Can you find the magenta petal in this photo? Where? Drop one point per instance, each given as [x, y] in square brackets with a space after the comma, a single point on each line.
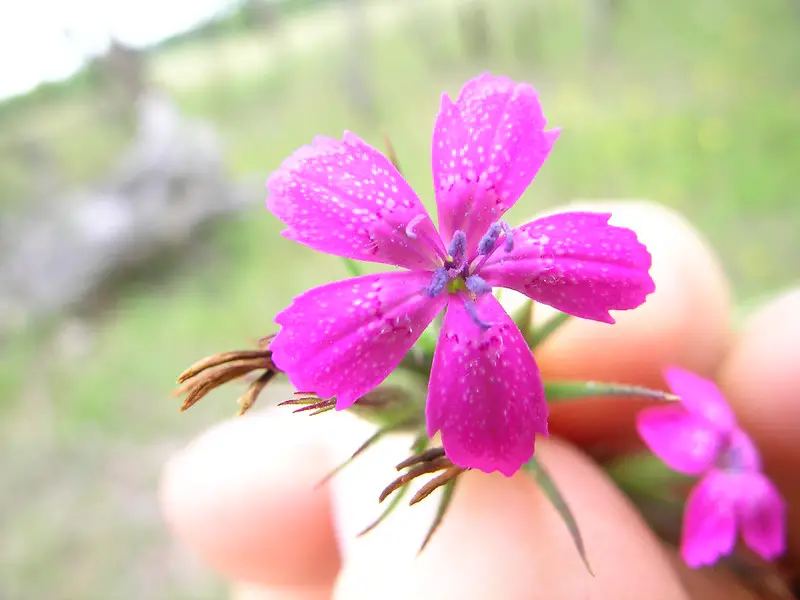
[345, 338]
[763, 515]
[684, 442]
[575, 262]
[741, 453]
[346, 198]
[487, 148]
[709, 520]
[485, 392]
[701, 397]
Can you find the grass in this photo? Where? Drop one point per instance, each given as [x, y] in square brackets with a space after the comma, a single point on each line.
[694, 106]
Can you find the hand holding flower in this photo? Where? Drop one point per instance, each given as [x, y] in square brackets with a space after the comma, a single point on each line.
[239, 495]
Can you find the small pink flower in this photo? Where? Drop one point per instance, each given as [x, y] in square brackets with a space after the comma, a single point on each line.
[343, 339]
[700, 437]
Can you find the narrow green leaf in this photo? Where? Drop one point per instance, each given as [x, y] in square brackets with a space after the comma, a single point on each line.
[646, 475]
[390, 151]
[393, 504]
[352, 267]
[426, 344]
[374, 438]
[419, 445]
[540, 334]
[548, 486]
[559, 391]
[523, 319]
[417, 360]
[444, 503]
[420, 442]
[370, 441]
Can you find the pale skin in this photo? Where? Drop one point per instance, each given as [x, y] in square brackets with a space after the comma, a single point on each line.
[242, 495]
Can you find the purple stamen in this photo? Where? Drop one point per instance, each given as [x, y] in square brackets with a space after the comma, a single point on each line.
[439, 280]
[458, 247]
[473, 314]
[477, 285]
[731, 460]
[509, 243]
[488, 243]
[738, 454]
[489, 239]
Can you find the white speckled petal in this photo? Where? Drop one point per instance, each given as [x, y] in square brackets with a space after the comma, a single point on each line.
[575, 262]
[345, 338]
[485, 393]
[346, 198]
[487, 148]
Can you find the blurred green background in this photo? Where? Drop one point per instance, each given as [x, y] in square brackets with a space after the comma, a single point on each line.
[693, 104]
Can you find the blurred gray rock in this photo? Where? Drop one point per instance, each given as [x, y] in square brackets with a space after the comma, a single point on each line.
[170, 182]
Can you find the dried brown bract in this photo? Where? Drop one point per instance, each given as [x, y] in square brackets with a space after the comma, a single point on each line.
[214, 371]
[310, 403]
[432, 460]
[429, 461]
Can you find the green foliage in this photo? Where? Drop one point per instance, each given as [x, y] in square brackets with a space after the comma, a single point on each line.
[646, 475]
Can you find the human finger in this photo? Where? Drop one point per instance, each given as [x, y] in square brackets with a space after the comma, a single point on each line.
[684, 322]
[501, 538]
[243, 496]
[761, 379]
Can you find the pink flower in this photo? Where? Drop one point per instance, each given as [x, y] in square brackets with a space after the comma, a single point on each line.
[700, 436]
[343, 339]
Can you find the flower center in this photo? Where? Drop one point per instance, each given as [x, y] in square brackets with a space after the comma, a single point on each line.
[738, 454]
[730, 459]
[459, 274]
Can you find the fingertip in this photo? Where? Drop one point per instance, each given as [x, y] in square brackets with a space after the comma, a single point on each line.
[243, 497]
[684, 322]
[502, 538]
[243, 591]
[715, 583]
[760, 378]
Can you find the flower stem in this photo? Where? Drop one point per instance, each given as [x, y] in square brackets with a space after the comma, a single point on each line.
[352, 267]
[540, 334]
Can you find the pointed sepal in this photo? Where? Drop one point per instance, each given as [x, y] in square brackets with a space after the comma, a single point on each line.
[564, 391]
[398, 404]
[538, 335]
[391, 153]
[441, 509]
[523, 318]
[353, 268]
[419, 445]
[370, 441]
[550, 489]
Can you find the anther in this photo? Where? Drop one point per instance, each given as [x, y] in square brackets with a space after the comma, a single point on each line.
[458, 247]
[509, 243]
[473, 314]
[489, 239]
[477, 285]
[438, 281]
